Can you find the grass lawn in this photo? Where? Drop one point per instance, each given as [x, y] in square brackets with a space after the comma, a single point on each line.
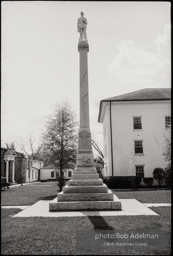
[57, 236]
[30, 194]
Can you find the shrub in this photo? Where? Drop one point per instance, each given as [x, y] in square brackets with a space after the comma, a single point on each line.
[159, 175]
[115, 182]
[99, 171]
[148, 181]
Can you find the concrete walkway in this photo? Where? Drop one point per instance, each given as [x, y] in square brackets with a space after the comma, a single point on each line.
[22, 207]
[27, 183]
[157, 205]
[130, 207]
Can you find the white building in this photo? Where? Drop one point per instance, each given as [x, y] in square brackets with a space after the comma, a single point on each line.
[50, 172]
[134, 128]
[33, 168]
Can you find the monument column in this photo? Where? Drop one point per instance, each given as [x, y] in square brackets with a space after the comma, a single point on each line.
[85, 191]
[84, 155]
[83, 49]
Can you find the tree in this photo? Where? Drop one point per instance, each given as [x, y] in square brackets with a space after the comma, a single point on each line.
[28, 147]
[167, 149]
[159, 175]
[10, 145]
[167, 156]
[59, 139]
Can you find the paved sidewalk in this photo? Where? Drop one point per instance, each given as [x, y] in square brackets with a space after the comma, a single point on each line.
[27, 183]
[130, 207]
[157, 205]
[22, 207]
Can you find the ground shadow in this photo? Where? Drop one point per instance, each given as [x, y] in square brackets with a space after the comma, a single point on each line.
[48, 197]
[99, 223]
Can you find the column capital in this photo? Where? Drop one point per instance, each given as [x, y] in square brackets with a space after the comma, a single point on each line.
[83, 46]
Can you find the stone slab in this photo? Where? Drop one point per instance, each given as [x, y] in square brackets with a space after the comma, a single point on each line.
[84, 172]
[85, 189]
[85, 197]
[130, 207]
[84, 169]
[85, 176]
[86, 182]
[115, 204]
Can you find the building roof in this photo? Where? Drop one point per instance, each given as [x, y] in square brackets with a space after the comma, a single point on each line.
[50, 166]
[10, 152]
[147, 94]
[144, 94]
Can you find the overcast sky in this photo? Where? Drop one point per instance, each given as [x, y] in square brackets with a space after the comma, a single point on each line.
[129, 49]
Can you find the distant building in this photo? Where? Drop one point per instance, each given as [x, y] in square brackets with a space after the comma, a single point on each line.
[134, 129]
[17, 168]
[33, 168]
[50, 172]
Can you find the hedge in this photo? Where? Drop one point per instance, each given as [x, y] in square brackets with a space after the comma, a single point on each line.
[114, 182]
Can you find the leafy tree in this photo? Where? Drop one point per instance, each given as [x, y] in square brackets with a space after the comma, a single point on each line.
[167, 156]
[159, 175]
[59, 139]
[167, 149]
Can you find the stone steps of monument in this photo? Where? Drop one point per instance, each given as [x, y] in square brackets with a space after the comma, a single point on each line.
[86, 182]
[85, 189]
[85, 176]
[84, 169]
[55, 206]
[85, 196]
[84, 172]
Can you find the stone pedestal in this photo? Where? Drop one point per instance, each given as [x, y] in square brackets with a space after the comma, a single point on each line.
[85, 191]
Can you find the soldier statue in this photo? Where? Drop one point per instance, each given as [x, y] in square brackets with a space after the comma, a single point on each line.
[82, 25]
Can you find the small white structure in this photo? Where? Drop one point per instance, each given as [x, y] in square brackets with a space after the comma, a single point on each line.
[68, 173]
[50, 172]
[33, 168]
[135, 126]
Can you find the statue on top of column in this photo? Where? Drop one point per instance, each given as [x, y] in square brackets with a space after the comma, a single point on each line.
[81, 26]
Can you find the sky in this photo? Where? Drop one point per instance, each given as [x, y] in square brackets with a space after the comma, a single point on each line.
[129, 49]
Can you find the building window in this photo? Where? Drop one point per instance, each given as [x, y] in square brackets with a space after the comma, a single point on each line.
[52, 174]
[138, 147]
[167, 122]
[69, 174]
[137, 124]
[140, 171]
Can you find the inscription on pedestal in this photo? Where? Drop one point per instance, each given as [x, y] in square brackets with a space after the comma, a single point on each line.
[84, 140]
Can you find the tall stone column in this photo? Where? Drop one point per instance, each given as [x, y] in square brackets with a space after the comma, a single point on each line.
[85, 191]
[84, 154]
[7, 170]
[13, 171]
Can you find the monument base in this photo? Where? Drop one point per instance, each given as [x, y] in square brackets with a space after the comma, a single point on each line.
[84, 192]
[55, 206]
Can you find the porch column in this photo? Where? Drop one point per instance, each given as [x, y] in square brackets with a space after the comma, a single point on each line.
[13, 171]
[30, 174]
[7, 170]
